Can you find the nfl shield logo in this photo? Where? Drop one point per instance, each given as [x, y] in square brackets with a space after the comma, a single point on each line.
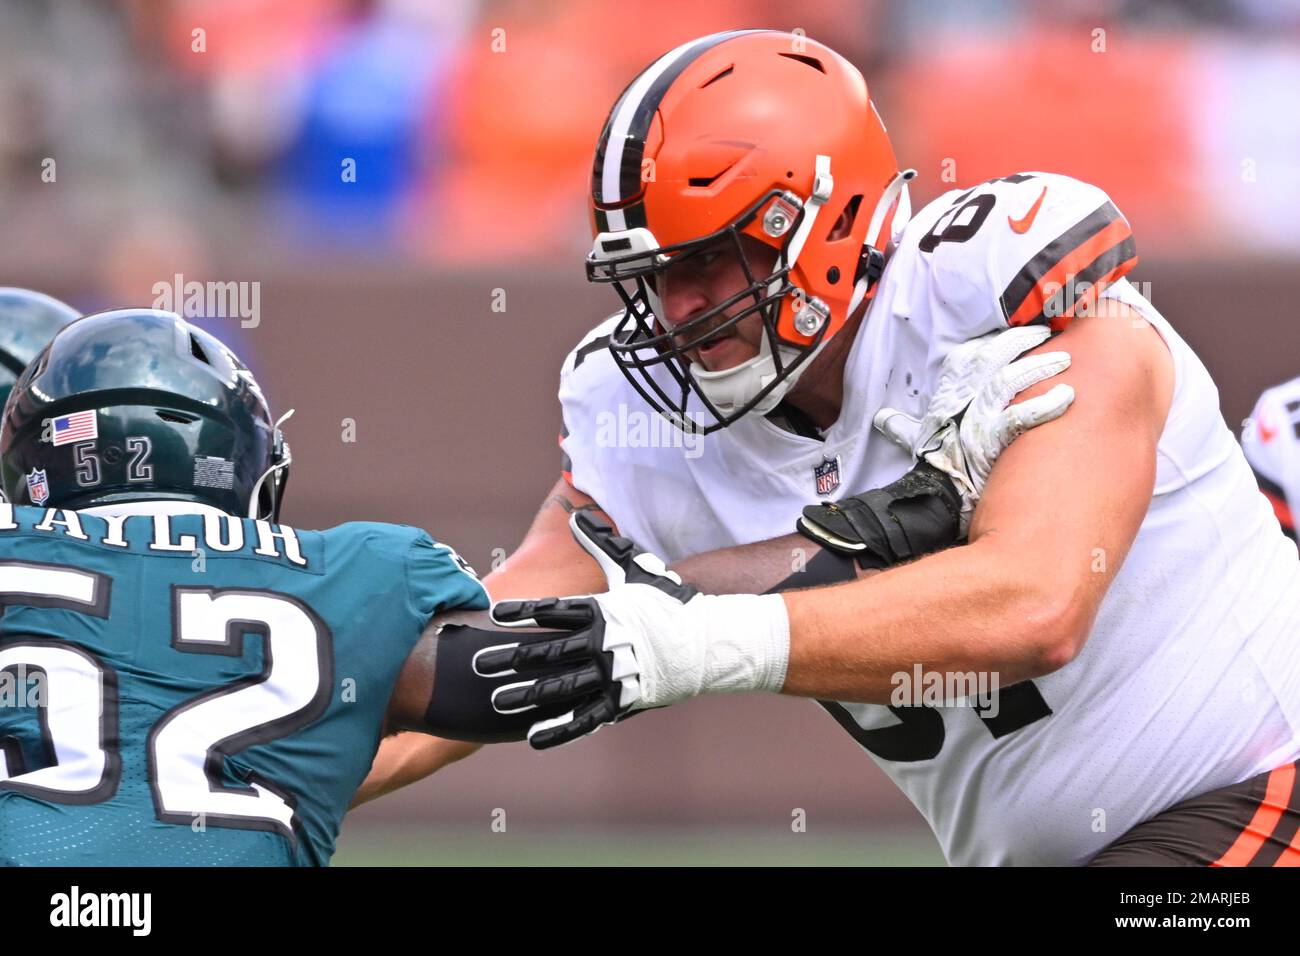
[827, 475]
[38, 489]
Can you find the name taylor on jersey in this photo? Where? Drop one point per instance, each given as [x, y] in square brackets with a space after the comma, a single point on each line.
[221, 532]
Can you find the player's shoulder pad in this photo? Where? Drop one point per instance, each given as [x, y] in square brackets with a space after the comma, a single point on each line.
[440, 579]
[590, 384]
[380, 537]
[1029, 247]
[436, 577]
[593, 351]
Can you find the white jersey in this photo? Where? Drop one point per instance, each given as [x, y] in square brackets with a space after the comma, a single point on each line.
[1190, 679]
[1271, 440]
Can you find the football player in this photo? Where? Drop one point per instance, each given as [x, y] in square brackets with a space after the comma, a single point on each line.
[1271, 440]
[1123, 579]
[185, 680]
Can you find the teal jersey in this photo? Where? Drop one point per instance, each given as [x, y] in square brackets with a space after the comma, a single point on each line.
[199, 689]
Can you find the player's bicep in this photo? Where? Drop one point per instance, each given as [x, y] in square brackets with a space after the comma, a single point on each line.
[548, 561]
[1065, 501]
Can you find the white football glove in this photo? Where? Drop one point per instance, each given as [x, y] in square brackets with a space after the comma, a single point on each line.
[978, 380]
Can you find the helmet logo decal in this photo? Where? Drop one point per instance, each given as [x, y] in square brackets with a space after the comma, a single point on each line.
[38, 487]
[79, 426]
[827, 475]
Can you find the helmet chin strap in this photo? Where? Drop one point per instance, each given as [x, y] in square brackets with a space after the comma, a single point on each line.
[286, 459]
[897, 189]
[730, 388]
[823, 185]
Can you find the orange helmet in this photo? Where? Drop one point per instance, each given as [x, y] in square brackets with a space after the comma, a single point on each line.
[758, 133]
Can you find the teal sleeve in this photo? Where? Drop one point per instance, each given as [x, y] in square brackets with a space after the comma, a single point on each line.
[438, 579]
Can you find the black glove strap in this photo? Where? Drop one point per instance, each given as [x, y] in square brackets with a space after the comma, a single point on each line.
[915, 515]
[460, 707]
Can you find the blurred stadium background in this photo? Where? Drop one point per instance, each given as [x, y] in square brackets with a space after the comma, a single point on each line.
[210, 139]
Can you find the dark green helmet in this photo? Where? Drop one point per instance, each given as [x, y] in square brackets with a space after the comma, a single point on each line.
[28, 320]
[139, 405]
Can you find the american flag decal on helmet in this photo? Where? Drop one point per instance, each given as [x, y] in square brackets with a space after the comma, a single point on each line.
[79, 426]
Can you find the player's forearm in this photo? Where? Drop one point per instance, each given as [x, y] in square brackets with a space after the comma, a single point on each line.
[535, 570]
[778, 564]
[910, 517]
[547, 562]
[970, 609]
[406, 758]
[980, 613]
[1020, 600]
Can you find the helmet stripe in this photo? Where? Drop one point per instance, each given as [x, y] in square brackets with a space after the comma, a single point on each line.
[617, 174]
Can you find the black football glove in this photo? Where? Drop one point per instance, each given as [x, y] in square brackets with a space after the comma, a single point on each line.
[594, 669]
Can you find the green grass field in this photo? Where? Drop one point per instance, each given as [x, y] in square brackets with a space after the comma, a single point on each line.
[626, 846]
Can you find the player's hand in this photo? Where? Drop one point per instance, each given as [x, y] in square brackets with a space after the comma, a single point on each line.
[610, 663]
[968, 423]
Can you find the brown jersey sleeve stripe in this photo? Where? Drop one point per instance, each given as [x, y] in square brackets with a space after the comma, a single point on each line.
[1053, 252]
[1283, 847]
[1281, 782]
[1095, 264]
[1098, 250]
[1066, 294]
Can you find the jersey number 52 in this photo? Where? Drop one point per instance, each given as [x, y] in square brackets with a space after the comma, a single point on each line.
[187, 746]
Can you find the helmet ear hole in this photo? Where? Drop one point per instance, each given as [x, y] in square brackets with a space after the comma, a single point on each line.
[843, 226]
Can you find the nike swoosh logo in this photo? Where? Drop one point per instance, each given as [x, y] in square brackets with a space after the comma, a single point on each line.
[1022, 225]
